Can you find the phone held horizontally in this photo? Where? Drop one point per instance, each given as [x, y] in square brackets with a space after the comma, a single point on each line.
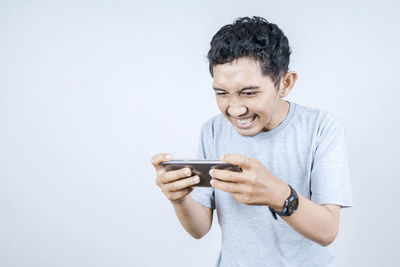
[200, 168]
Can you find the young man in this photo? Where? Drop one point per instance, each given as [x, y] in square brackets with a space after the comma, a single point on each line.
[283, 208]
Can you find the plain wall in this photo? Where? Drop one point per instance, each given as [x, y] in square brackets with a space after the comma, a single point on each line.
[91, 90]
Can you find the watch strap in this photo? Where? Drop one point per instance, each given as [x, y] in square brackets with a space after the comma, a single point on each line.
[286, 212]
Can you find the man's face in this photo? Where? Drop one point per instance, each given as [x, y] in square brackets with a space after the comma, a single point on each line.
[246, 97]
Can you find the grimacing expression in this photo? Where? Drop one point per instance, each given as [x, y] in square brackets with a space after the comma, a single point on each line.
[246, 97]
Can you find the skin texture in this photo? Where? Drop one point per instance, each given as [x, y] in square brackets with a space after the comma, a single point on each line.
[242, 91]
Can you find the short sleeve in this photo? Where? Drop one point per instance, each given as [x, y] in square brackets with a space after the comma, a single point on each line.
[330, 175]
[205, 195]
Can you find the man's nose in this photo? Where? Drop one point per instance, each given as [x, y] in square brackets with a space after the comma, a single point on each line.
[236, 110]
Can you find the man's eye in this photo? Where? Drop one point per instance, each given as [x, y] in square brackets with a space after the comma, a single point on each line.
[250, 93]
[221, 93]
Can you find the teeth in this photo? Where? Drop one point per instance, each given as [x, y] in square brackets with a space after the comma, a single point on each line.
[245, 121]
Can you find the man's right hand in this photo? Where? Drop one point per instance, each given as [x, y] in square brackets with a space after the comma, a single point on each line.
[176, 185]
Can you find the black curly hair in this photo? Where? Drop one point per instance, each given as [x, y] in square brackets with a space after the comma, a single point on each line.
[255, 38]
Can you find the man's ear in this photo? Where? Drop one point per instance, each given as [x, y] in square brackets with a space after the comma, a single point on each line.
[287, 82]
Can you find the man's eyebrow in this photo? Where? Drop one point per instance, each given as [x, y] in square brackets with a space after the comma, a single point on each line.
[241, 90]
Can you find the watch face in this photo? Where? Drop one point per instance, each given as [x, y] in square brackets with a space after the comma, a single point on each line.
[293, 205]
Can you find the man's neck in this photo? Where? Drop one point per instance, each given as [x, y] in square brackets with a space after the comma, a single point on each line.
[280, 114]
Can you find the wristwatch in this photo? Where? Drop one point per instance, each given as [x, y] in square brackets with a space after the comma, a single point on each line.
[290, 207]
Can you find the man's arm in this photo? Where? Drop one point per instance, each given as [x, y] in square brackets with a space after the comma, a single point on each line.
[319, 223]
[195, 218]
[255, 185]
[176, 186]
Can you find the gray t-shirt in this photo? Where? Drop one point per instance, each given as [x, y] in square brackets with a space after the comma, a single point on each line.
[308, 151]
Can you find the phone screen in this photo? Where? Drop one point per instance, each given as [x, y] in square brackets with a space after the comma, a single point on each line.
[200, 168]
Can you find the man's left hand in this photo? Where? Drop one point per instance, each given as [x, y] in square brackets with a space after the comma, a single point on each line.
[255, 185]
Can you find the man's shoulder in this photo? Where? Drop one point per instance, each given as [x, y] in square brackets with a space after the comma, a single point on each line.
[319, 117]
[322, 124]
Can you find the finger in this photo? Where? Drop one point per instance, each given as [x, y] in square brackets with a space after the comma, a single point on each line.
[182, 184]
[171, 176]
[158, 159]
[237, 159]
[228, 176]
[226, 186]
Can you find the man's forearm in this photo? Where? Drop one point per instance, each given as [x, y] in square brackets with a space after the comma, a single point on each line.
[195, 218]
[319, 223]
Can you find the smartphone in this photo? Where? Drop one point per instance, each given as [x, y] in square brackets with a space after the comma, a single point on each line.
[200, 168]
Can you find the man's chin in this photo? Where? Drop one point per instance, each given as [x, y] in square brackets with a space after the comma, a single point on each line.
[247, 132]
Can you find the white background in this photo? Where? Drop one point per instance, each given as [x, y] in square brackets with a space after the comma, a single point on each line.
[91, 90]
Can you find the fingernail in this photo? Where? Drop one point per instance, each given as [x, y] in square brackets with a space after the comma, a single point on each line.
[211, 172]
[212, 182]
[196, 179]
[168, 157]
[187, 172]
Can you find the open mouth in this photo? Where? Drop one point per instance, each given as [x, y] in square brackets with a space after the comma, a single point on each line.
[244, 123]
